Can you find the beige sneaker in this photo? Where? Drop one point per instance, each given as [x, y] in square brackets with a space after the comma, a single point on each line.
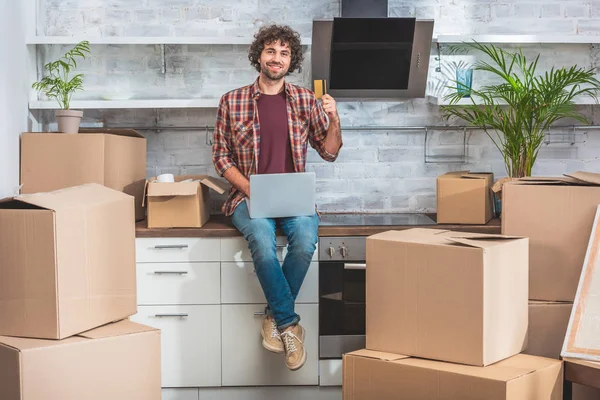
[293, 344]
[271, 336]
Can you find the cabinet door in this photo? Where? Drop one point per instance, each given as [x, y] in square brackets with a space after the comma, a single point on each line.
[240, 285]
[170, 249]
[247, 363]
[178, 283]
[190, 343]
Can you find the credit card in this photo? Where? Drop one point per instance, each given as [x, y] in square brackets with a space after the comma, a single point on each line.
[320, 88]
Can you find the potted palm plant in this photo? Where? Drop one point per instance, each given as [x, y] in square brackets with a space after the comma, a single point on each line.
[60, 85]
[517, 111]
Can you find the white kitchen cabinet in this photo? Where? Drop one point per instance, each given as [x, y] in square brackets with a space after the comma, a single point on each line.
[240, 285]
[179, 283]
[169, 249]
[190, 343]
[236, 249]
[180, 394]
[246, 363]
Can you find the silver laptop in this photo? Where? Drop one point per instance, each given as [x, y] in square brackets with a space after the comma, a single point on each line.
[282, 195]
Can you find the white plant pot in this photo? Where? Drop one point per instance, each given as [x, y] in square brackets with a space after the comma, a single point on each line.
[68, 120]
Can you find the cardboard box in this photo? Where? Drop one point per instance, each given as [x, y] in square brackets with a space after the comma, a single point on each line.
[370, 375]
[547, 328]
[446, 295]
[464, 198]
[184, 203]
[68, 261]
[557, 215]
[113, 158]
[119, 361]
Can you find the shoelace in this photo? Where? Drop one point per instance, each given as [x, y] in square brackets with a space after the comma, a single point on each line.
[288, 340]
[274, 331]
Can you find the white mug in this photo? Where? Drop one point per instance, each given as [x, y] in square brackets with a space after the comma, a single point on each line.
[165, 178]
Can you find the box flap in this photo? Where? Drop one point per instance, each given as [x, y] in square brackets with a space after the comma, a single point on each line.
[586, 177]
[378, 355]
[453, 175]
[156, 189]
[215, 184]
[124, 327]
[477, 175]
[75, 196]
[109, 131]
[482, 241]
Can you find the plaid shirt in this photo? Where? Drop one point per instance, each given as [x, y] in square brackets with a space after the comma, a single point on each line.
[236, 139]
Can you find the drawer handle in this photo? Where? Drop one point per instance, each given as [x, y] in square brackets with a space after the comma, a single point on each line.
[354, 266]
[170, 272]
[170, 246]
[180, 315]
[261, 313]
[281, 246]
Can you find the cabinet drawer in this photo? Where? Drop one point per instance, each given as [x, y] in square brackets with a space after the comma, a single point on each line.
[190, 343]
[236, 249]
[177, 249]
[247, 363]
[179, 283]
[240, 285]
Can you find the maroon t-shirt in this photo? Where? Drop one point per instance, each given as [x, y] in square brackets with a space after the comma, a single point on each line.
[275, 154]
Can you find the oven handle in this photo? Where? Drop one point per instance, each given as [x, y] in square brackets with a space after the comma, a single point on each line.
[355, 266]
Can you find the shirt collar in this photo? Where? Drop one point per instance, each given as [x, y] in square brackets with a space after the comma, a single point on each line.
[290, 90]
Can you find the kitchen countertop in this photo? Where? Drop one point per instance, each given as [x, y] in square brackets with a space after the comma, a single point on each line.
[221, 226]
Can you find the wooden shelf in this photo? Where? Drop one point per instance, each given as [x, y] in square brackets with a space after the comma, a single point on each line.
[518, 39]
[145, 40]
[122, 104]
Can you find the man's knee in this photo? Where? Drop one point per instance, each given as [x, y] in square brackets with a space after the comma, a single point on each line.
[261, 240]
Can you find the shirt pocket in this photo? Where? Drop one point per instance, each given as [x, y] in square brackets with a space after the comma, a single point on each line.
[243, 133]
[300, 126]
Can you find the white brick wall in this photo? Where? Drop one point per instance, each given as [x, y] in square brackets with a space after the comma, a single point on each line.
[377, 170]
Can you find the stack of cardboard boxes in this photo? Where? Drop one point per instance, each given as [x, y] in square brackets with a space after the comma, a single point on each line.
[68, 277]
[458, 316]
[447, 317]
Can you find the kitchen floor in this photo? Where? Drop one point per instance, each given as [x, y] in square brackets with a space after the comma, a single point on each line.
[256, 393]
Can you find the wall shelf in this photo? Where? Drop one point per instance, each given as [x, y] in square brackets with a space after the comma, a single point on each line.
[518, 39]
[35, 40]
[440, 101]
[123, 104]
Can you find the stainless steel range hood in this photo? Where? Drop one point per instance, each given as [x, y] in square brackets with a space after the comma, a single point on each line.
[365, 54]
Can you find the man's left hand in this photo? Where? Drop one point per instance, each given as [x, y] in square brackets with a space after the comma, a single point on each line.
[330, 107]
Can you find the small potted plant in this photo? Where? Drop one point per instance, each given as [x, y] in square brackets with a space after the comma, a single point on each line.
[521, 106]
[59, 85]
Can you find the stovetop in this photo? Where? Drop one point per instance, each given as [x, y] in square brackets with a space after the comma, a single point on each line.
[375, 219]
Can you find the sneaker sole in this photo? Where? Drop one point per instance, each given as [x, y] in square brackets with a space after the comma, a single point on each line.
[269, 347]
[300, 364]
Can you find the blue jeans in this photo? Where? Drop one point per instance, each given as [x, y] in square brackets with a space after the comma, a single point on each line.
[280, 283]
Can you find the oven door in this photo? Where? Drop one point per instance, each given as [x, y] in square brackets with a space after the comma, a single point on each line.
[341, 307]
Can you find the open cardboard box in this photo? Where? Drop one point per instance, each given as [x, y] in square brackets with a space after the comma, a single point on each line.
[184, 203]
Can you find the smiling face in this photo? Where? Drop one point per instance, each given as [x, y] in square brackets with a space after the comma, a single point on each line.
[275, 60]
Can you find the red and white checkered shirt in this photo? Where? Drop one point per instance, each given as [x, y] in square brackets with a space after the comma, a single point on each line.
[236, 138]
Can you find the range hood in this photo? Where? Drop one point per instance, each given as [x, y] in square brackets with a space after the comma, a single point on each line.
[365, 54]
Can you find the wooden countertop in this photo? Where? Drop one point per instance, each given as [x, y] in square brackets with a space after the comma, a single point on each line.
[221, 226]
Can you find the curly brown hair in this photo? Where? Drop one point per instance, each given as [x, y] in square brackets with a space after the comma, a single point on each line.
[270, 34]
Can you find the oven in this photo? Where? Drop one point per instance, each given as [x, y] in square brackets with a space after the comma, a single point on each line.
[342, 268]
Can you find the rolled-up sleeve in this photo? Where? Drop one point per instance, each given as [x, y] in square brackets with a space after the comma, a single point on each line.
[319, 123]
[221, 150]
